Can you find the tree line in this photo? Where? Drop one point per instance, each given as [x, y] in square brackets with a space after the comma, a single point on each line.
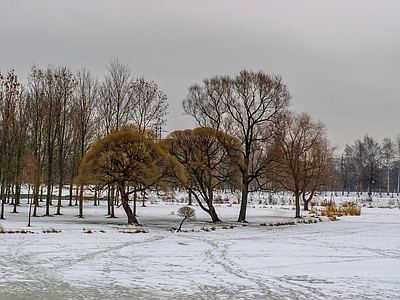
[367, 166]
[70, 129]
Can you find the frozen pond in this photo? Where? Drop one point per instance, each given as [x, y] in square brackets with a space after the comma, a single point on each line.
[353, 258]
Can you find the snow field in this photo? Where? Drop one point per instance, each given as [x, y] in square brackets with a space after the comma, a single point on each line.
[353, 258]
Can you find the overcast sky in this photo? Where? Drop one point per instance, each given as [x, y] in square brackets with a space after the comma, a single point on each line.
[340, 59]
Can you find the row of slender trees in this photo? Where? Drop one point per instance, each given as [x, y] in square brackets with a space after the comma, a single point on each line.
[48, 125]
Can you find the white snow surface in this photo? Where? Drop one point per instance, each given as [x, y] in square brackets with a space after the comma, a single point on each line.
[356, 257]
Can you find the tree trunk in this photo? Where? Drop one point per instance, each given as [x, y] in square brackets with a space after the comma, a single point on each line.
[297, 203]
[108, 200]
[2, 209]
[59, 203]
[245, 191]
[213, 214]
[388, 181]
[48, 199]
[243, 204]
[71, 191]
[81, 202]
[17, 196]
[95, 197]
[144, 199]
[134, 202]
[125, 204]
[36, 190]
[190, 198]
[305, 203]
[29, 194]
[2, 200]
[180, 225]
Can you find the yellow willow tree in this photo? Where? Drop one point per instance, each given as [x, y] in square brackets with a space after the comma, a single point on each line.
[211, 160]
[131, 162]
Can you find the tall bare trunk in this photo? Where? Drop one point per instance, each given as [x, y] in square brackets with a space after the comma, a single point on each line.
[81, 202]
[245, 191]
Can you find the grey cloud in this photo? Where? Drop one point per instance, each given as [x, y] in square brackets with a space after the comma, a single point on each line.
[340, 59]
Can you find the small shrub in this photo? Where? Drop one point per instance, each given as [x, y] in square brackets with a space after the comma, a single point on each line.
[187, 213]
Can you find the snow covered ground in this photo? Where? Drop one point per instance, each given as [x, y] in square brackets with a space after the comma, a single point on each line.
[353, 258]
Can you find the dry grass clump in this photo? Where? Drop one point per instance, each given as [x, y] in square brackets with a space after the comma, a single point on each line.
[212, 228]
[298, 221]
[51, 230]
[326, 203]
[22, 231]
[306, 221]
[347, 209]
[137, 230]
[283, 223]
[230, 226]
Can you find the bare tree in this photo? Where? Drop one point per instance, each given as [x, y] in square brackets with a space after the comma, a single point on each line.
[115, 97]
[20, 136]
[371, 162]
[10, 153]
[85, 106]
[36, 108]
[206, 103]
[148, 106]
[318, 168]
[347, 169]
[388, 155]
[305, 154]
[241, 106]
[65, 116]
